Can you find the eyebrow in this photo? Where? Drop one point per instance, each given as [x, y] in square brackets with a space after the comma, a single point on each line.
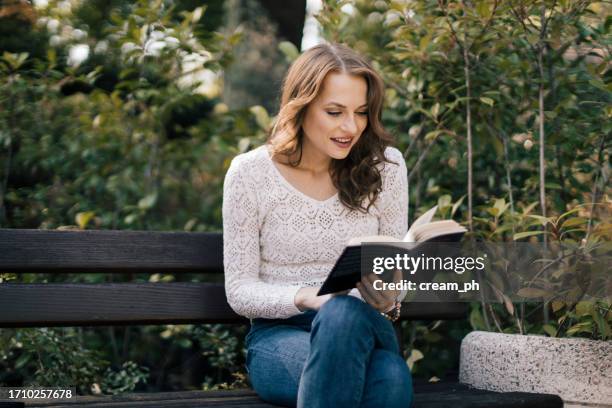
[342, 106]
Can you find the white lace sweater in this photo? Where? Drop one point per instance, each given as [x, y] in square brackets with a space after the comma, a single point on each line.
[276, 239]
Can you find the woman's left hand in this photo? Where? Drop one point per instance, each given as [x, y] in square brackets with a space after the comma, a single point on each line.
[381, 300]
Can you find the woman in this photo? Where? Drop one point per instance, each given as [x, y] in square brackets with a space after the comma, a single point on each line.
[289, 207]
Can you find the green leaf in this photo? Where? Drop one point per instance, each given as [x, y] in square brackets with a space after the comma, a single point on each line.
[501, 206]
[526, 234]
[243, 144]
[444, 201]
[508, 304]
[14, 61]
[147, 202]
[83, 218]
[557, 305]
[599, 84]
[261, 116]
[565, 214]
[487, 101]
[130, 218]
[435, 110]
[289, 50]
[583, 327]
[484, 8]
[532, 293]
[543, 220]
[584, 308]
[415, 355]
[476, 320]
[553, 186]
[574, 221]
[493, 211]
[456, 205]
[550, 330]
[431, 136]
[23, 360]
[529, 208]
[197, 14]
[602, 325]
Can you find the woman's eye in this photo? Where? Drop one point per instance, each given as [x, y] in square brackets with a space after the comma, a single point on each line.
[339, 113]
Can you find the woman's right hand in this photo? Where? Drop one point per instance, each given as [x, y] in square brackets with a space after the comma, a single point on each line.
[307, 299]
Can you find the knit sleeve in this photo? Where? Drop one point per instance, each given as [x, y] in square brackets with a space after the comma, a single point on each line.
[246, 293]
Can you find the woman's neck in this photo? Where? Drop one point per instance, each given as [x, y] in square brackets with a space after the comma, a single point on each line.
[312, 160]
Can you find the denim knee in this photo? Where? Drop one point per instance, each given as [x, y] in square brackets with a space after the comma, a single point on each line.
[389, 381]
[343, 309]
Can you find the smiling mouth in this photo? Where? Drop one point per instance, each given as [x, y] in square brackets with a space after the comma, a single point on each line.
[342, 141]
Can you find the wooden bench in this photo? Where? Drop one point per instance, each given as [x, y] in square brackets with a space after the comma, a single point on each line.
[75, 304]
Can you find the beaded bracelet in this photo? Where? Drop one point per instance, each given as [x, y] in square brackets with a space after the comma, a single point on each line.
[395, 312]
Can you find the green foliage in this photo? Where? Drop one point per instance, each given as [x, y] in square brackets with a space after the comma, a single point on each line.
[125, 379]
[61, 357]
[580, 266]
[417, 46]
[223, 351]
[130, 138]
[433, 347]
[426, 50]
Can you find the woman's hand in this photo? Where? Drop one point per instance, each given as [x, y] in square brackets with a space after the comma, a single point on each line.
[307, 299]
[381, 300]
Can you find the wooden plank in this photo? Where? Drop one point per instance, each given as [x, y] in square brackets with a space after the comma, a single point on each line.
[35, 305]
[434, 311]
[429, 396]
[79, 304]
[459, 395]
[23, 250]
[243, 397]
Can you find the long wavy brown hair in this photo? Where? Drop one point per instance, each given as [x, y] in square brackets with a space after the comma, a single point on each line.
[357, 177]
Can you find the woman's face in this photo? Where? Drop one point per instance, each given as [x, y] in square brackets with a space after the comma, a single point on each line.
[337, 117]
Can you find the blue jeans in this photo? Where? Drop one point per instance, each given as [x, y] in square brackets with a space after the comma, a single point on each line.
[344, 355]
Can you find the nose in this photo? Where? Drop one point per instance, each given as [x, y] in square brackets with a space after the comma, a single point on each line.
[349, 125]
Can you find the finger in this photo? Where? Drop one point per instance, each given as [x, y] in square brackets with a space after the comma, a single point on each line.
[366, 295]
[397, 277]
[391, 294]
[371, 295]
[384, 297]
[368, 283]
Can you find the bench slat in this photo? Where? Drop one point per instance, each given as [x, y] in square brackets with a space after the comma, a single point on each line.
[431, 396]
[31, 305]
[233, 398]
[25, 251]
[79, 304]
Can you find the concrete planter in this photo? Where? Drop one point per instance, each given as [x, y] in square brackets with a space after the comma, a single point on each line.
[578, 370]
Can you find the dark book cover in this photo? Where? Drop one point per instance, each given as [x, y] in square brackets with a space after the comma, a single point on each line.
[347, 271]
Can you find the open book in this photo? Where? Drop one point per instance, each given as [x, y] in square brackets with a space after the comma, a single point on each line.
[347, 270]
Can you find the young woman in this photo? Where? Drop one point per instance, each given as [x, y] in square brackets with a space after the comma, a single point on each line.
[326, 175]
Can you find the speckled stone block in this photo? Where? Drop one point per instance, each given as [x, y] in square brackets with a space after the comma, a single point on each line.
[578, 370]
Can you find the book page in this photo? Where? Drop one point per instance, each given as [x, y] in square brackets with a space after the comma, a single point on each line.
[422, 220]
[436, 229]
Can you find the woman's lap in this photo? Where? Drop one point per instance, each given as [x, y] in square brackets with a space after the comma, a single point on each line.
[278, 351]
[275, 360]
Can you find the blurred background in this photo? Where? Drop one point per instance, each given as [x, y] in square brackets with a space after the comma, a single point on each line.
[126, 114]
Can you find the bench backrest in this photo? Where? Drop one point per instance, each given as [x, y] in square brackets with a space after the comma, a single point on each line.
[95, 251]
